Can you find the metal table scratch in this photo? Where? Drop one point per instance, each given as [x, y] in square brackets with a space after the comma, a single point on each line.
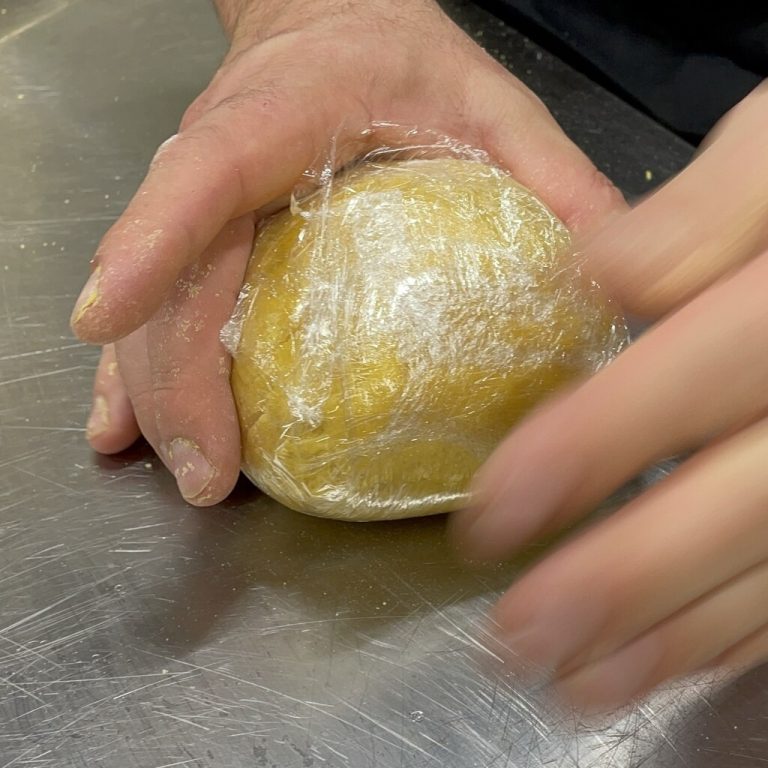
[137, 631]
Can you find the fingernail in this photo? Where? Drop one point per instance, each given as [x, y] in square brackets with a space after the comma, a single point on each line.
[510, 513]
[488, 534]
[492, 531]
[98, 421]
[88, 297]
[192, 470]
[613, 682]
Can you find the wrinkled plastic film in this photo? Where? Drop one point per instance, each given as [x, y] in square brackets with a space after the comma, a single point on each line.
[395, 323]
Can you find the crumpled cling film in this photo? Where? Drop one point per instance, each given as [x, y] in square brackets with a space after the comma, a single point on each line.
[395, 323]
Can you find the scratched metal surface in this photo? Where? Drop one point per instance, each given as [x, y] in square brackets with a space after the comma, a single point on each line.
[136, 631]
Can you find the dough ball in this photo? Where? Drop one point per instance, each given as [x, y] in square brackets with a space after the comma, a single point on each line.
[394, 326]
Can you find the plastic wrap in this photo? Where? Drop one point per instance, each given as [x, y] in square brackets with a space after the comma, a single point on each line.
[395, 323]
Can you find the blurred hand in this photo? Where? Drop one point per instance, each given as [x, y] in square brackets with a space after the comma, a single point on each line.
[677, 580]
[299, 73]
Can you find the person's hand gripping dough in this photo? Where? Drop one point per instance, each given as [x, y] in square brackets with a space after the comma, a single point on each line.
[299, 72]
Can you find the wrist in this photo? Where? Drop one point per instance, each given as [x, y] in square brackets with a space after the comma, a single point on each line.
[257, 20]
[229, 13]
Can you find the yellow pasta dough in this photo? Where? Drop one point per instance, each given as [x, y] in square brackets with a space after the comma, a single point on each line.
[393, 327]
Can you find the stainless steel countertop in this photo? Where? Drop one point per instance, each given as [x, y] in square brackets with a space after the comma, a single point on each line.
[138, 631]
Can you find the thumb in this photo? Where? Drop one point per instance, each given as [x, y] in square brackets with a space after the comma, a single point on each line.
[230, 161]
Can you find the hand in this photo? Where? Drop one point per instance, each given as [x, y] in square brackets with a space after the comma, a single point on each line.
[677, 580]
[299, 73]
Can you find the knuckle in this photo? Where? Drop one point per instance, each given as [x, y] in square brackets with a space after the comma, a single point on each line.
[195, 111]
[269, 107]
[265, 96]
[157, 398]
[595, 202]
[190, 146]
[178, 383]
[606, 192]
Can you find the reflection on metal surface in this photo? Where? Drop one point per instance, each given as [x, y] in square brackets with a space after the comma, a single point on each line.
[136, 631]
[20, 28]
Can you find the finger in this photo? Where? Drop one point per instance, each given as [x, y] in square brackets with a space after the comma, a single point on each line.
[711, 629]
[699, 529]
[234, 159]
[706, 222]
[749, 653]
[197, 427]
[133, 363]
[663, 395]
[111, 426]
[522, 135]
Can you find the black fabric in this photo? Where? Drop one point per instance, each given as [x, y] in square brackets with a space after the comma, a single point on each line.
[685, 64]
